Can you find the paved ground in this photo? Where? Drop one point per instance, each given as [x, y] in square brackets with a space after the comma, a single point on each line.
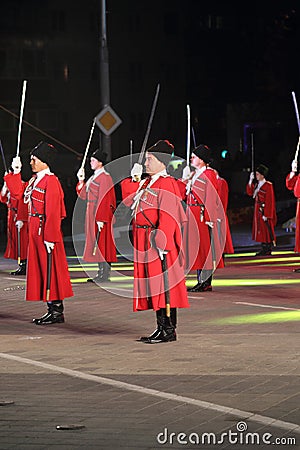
[234, 369]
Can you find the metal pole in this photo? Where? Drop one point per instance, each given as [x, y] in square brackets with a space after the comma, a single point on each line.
[104, 78]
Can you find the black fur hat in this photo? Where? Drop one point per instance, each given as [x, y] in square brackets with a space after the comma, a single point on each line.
[203, 152]
[162, 150]
[100, 156]
[263, 170]
[44, 152]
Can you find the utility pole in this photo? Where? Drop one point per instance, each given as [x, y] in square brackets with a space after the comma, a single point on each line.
[105, 141]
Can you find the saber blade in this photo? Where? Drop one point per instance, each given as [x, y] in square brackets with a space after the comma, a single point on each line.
[88, 145]
[21, 115]
[149, 125]
[188, 138]
[3, 157]
[296, 110]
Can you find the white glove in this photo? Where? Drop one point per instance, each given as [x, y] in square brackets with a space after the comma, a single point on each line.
[294, 166]
[81, 174]
[49, 246]
[136, 172]
[162, 253]
[210, 224]
[264, 218]
[100, 225]
[251, 178]
[4, 189]
[16, 164]
[188, 187]
[19, 224]
[186, 173]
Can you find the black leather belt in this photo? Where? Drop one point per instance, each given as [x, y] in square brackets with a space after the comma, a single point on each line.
[144, 226]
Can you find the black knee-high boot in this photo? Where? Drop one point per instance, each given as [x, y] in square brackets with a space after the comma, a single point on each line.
[53, 315]
[266, 248]
[199, 282]
[156, 331]
[103, 273]
[166, 327]
[204, 281]
[21, 269]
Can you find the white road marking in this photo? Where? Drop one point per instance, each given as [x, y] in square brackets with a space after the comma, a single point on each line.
[264, 420]
[259, 305]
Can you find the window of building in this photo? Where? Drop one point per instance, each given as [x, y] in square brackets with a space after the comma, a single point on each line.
[170, 23]
[134, 23]
[58, 20]
[47, 119]
[3, 62]
[34, 62]
[135, 71]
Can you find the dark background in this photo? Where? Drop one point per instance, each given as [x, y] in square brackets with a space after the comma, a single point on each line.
[234, 63]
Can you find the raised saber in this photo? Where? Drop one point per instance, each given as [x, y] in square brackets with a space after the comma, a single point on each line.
[297, 150]
[296, 110]
[149, 125]
[130, 152]
[88, 145]
[188, 135]
[3, 157]
[298, 123]
[194, 137]
[21, 115]
[252, 153]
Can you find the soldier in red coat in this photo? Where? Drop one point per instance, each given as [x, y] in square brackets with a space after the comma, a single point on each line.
[17, 218]
[48, 278]
[158, 218]
[264, 218]
[99, 194]
[204, 239]
[223, 192]
[292, 182]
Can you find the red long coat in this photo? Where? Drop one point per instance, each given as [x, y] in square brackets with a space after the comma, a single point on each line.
[223, 190]
[46, 199]
[17, 210]
[99, 194]
[293, 184]
[157, 223]
[265, 205]
[203, 206]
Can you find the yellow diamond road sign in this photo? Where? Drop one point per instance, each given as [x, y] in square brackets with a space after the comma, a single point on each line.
[107, 120]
